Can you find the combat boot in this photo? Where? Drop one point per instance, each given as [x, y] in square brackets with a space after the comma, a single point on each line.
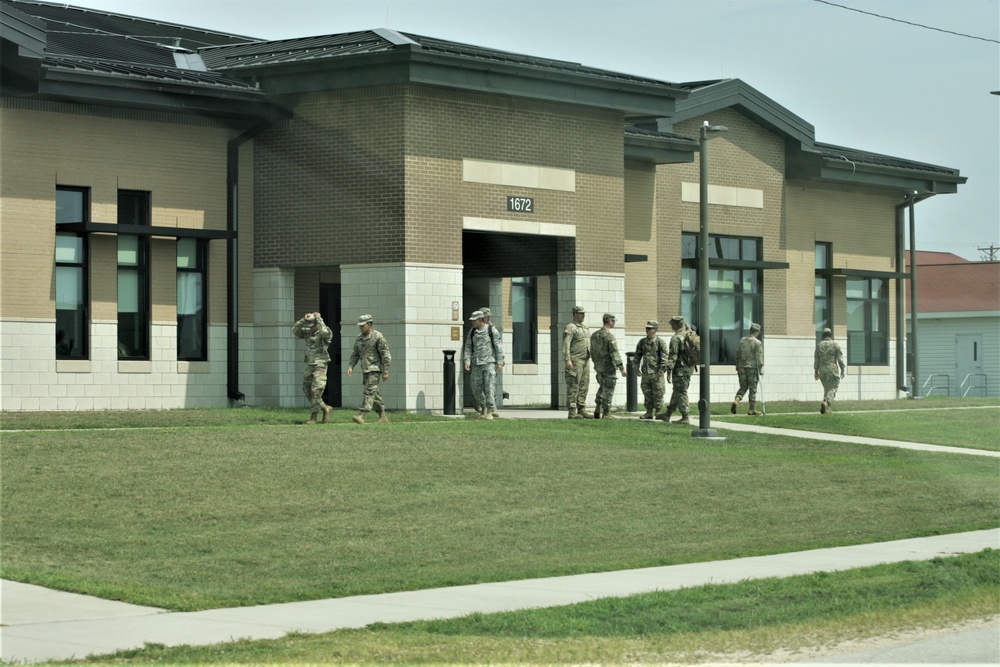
[582, 411]
[665, 416]
[495, 413]
[358, 418]
[312, 417]
[753, 408]
[597, 411]
[648, 415]
[487, 415]
[383, 417]
[736, 403]
[607, 414]
[572, 414]
[822, 408]
[683, 420]
[326, 413]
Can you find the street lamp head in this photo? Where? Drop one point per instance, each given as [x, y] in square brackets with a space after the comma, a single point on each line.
[706, 128]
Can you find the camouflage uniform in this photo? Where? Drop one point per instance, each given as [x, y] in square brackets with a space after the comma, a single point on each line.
[607, 364]
[372, 351]
[651, 360]
[679, 372]
[828, 365]
[576, 348]
[316, 359]
[483, 352]
[749, 361]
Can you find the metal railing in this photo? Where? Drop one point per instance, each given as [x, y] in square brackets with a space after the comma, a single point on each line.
[930, 379]
[970, 387]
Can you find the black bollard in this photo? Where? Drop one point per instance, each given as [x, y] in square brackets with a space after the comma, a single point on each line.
[631, 383]
[449, 382]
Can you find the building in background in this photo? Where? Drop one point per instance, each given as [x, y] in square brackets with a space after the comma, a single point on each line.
[181, 196]
[958, 325]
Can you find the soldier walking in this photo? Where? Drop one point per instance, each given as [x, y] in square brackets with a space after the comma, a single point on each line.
[318, 337]
[483, 356]
[604, 351]
[651, 362]
[679, 369]
[828, 368]
[576, 354]
[749, 368]
[372, 351]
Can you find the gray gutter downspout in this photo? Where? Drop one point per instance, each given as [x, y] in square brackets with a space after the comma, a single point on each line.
[913, 300]
[232, 259]
[911, 340]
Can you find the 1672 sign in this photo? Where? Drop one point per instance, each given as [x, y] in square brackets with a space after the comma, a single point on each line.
[521, 204]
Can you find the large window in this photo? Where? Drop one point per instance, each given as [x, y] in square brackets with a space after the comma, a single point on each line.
[524, 298]
[133, 277]
[735, 295]
[72, 205]
[192, 325]
[867, 322]
[822, 297]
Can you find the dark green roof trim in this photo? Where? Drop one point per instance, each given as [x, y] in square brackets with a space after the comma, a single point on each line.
[27, 32]
[741, 264]
[837, 164]
[144, 230]
[862, 273]
[709, 96]
[337, 62]
[658, 147]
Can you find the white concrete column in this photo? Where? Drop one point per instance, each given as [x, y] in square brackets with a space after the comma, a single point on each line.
[277, 372]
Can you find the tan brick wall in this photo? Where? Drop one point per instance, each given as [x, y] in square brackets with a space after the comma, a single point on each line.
[860, 225]
[746, 156]
[444, 127]
[641, 287]
[180, 160]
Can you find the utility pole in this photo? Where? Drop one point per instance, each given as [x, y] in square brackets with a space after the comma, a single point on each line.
[989, 253]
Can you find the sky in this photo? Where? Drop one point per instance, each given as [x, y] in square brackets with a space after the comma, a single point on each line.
[913, 82]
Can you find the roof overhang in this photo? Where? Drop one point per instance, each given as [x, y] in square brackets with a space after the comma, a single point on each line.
[658, 148]
[411, 64]
[844, 272]
[893, 174]
[735, 264]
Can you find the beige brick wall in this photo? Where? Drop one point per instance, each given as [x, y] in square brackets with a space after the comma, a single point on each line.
[859, 224]
[641, 286]
[180, 160]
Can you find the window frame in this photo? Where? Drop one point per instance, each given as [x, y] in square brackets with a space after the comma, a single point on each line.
[133, 339]
[871, 341]
[200, 268]
[524, 325]
[79, 349]
[823, 260]
[724, 341]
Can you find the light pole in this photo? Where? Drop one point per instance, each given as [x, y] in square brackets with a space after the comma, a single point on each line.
[704, 429]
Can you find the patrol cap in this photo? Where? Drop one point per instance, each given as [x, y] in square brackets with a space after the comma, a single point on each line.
[610, 316]
[652, 324]
[364, 319]
[754, 326]
[827, 332]
[677, 319]
[310, 320]
[486, 311]
[578, 309]
[478, 315]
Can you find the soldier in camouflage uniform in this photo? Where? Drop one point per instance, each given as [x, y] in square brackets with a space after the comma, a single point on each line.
[318, 337]
[828, 368]
[749, 368]
[651, 362]
[483, 356]
[371, 349]
[604, 351]
[488, 318]
[576, 354]
[679, 370]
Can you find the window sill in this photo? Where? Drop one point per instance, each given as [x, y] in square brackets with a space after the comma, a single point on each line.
[524, 369]
[135, 366]
[73, 366]
[193, 367]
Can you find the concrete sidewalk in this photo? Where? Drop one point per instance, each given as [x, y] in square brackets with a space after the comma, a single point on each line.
[40, 624]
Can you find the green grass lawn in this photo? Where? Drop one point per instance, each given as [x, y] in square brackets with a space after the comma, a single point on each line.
[698, 624]
[253, 513]
[973, 427]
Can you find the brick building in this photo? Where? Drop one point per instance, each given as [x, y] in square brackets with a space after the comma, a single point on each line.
[173, 199]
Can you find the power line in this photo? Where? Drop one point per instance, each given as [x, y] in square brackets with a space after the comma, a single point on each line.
[919, 25]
